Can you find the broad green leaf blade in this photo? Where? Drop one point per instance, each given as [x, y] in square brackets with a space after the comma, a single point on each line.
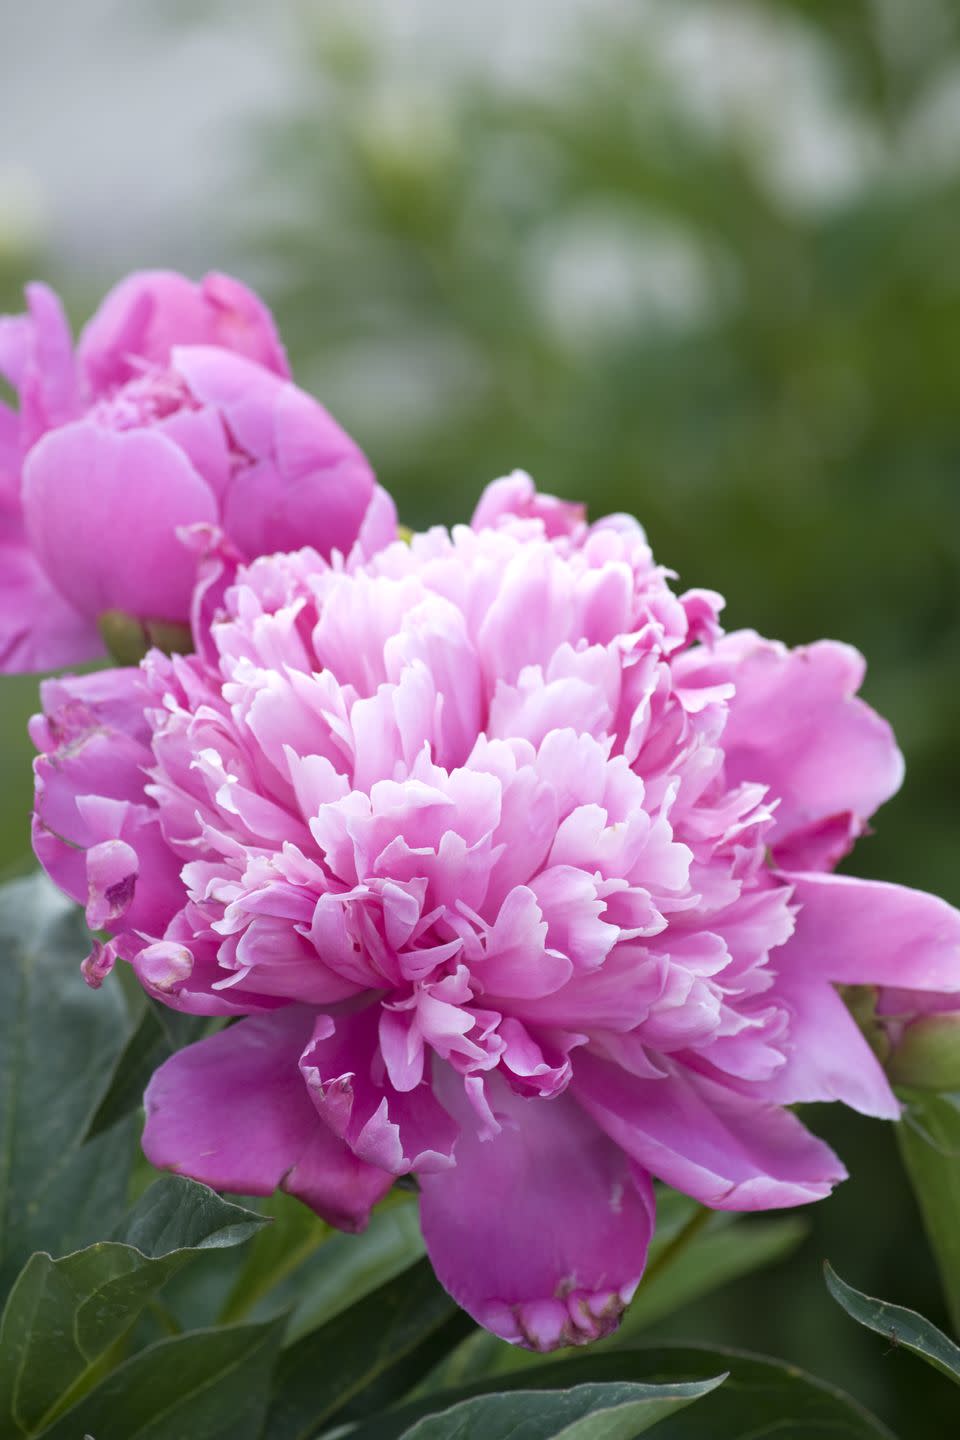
[366, 1357]
[208, 1385]
[179, 1215]
[62, 1316]
[898, 1324]
[929, 1140]
[153, 1039]
[58, 1043]
[761, 1397]
[587, 1412]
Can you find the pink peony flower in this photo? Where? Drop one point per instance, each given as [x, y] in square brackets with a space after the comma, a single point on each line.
[516, 870]
[176, 411]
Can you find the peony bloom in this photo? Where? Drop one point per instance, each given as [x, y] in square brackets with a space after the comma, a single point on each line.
[516, 870]
[176, 411]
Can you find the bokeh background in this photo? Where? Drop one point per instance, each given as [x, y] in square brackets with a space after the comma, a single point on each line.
[699, 261]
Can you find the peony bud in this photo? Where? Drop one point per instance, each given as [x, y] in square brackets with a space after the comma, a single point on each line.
[927, 1056]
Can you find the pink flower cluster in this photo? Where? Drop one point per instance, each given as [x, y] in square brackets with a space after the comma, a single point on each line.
[517, 870]
[174, 430]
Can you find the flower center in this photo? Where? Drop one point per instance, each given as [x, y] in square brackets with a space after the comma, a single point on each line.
[151, 397]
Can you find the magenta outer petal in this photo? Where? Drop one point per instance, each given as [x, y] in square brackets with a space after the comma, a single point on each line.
[102, 509]
[866, 932]
[89, 789]
[150, 311]
[827, 1055]
[541, 1233]
[38, 629]
[233, 1112]
[797, 725]
[729, 1152]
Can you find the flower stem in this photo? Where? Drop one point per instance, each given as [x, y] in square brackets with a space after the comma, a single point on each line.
[687, 1233]
[929, 1140]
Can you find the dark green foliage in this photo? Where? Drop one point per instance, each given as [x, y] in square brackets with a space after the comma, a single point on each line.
[57, 1041]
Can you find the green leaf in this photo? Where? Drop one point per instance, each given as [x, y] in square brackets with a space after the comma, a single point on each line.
[366, 1357]
[177, 1215]
[899, 1325]
[146, 1048]
[58, 1042]
[760, 1397]
[209, 1385]
[929, 1140]
[153, 1039]
[587, 1412]
[63, 1316]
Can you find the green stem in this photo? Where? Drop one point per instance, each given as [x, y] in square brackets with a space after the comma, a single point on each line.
[687, 1233]
[246, 1294]
[929, 1140]
[165, 1317]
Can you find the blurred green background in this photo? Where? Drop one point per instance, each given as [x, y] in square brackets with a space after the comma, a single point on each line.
[700, 262]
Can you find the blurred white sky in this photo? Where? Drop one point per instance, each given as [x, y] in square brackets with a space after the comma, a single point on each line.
[122, 125]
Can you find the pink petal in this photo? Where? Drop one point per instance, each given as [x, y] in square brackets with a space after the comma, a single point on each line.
[515, 497]
[517, 962]
[309, 483]
[112, 870]
[541, 1233]
[397, 1132]
[827, 1055]
[729, 1152]
[38, 629]
[233, 1112]
[379, 527]
[149, 312]
[797, 725]
[102, 509]
[866, 932]
[36, 356]
[89, 791]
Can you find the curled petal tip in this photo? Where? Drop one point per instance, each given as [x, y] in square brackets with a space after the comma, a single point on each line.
[98, 964]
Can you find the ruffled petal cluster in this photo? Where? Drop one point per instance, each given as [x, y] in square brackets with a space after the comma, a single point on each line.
[514, 872]
[175, 414]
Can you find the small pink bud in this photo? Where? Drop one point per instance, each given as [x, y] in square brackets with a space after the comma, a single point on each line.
[163, 966]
